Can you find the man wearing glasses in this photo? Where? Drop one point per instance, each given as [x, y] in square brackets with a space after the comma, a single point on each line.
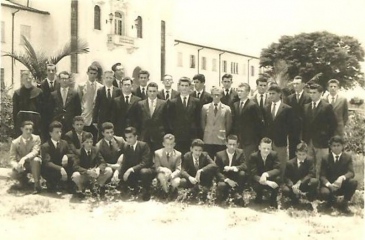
[167, 92]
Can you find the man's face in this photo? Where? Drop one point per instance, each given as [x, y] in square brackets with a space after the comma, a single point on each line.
[51, 72]
[92, 75]
[197, 151]
[301, 156]
[152, 92]
[127, 87]
[184, 88]
[274, 96]
[119, 72]
[336, 148]
[167, 81]
[265, 149]
[314, 94]
[262, 87]
[143, 79]
[88, 144]
[333, 88]
[108, 134]
[64, 80]
[242, 93]
[216, 95]
[78, 126]
[108, 79]
[298, 85]
[198, 85]
[27, 80]
[227, 83]
[56, 134]
[130, 138]
[27, 130]
[231, 145]
[169, 144]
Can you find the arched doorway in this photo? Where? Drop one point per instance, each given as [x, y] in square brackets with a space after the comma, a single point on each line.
[135, 77]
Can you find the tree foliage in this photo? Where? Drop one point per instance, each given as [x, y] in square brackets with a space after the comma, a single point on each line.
[319, 54]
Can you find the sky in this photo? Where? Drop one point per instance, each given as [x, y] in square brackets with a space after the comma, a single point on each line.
[249, 26]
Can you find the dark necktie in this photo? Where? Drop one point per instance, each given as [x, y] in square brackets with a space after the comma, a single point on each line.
[143, 93]
[185, 102]
[109, 95]
[57, 145]
[131, 148]
[167, 95]
[51, 87]
[168, 156]
[215, 109]
[300, 164]
[196, 163]
[333, 100]
[262, 101]
[127, 99]
[89, 153]
[297, 97]
[337, 158]
[110, 145]
[241, 106]
[120, 84]
[273, 110]
[227, 92]
[198, 94]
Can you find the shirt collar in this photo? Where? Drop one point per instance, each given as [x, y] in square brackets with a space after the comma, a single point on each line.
[111, 88]
[334, 156]
[182, 97]
[218, 104]
[25, 140]
[54, 142]
[276, 103]
[173, 153]
[229, 154]
[330, 96]
[229, 90]
[49, 81]
[317, 102]
[134, 145]
[64, 88]
[300, 93]
[243, 101]
[127, 95]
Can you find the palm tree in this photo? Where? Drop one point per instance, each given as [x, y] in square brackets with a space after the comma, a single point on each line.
[36, 61]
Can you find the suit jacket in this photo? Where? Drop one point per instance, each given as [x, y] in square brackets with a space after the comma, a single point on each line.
[151, 128]
[222, 160]
[116, 83]
[30, 149]
[298, 107]
[184, 122]
[340, 108]
[293, 173]
[138, 158]
[204, 98]
[266, 100]
[188, 166]
[139, 94]
[330, 170]
[279, 128]
[230, 98]
[319, 124]
[52, 157]
[47, 110]
[66, 113]
[87, 97]
[258, 167]
[73, 141]
[85, 162]
[173, 163]
[102, 110]
[212, 124]
[173, 94]
[248, 123]
[123, 115]
[111, 154]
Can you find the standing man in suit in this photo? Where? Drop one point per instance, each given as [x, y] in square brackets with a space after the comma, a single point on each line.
[339, 104]
[261, 97]
[57, 158]
[87, 92]
[141, 91]
[299, 176]
[118, 70]
[65, 102]
[264, 167]
[279, 122]
[25, 157]
[337, 174]
[184, 116]
[168, 166]
[124, 108]
[319, 125]
[104, 99]
[199, 90]
[248, 123]
[216, 122]
[74, 136]
[297, 101]
[151, 116]
[232, 171]
[229, 95]
[167, 92]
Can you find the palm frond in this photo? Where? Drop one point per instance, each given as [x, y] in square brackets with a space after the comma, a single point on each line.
[69, 49]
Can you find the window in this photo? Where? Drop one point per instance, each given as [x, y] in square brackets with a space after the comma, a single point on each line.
[139, 27]
[224, 66]
[192, 61]
[204, 63]
[118, 24]
[214, 65]
[236, 68]
[179, 59]
[25, 31]
[2, 31]
[232, 67]
[97, 18]
[252, 71]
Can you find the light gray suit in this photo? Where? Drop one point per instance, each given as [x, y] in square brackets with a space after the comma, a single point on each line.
[340, 107]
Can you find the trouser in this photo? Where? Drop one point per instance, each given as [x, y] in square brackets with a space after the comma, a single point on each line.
[32, 166]
[82, 179]
[212, 149]
[317, 154]
[223, 188]
[347, 189]
[164, 181]
[309, 186]
[259, 189]
[146, 176]
[92, 129]
[53, 176]
[283, 158]
[206, 179]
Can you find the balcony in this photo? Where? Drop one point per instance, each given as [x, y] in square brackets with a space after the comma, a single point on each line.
[129, 43]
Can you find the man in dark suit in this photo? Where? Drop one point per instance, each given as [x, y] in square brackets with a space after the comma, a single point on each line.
[136, 165]
[230, 96]
[118, 70]
[319, 125]
[264, 167]
[337, 174]
[184, 116]
[74, 136]
[248, 123]
[104, 99]
[232, 171]
[65, 102]
[299, 176]
[57, 158]
[141, 91]
[123, 108]
[199, 90]
[297, 101]
[167, 92]
[261, 97]
[151, 116]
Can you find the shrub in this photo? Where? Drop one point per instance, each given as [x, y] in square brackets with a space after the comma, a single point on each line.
[6, 117]
[355, 132]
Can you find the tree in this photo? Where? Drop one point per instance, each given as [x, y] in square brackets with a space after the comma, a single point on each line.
[36, 60]
[318, 55]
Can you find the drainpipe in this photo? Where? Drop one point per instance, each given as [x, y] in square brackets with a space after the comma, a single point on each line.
[199, 58]
[220, 68]
[12, 45]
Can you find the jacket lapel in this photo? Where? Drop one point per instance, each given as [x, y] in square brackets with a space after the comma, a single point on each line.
[69, 96]
[281, 108]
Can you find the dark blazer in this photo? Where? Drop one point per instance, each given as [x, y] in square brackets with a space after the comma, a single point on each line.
[222, 160]
[52, 158]
[298, 107]
[139, 158]
[85, 162]
[151, 129]
[102, 109]
[73, 141]
[188, 166]
[319, 124]
[257, 166]
[138, 93]
[340, 108]
[47, 110]
[293, 174]
[115, 83]
[122, 114]
[230, 98]
[248, 123]
[330, 170]
[72, 108]
[111, 155]
[281, 127]
[184, 121]
[173, 94]
[204, 98]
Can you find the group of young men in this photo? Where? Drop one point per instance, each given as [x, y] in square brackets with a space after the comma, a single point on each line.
[100, 133]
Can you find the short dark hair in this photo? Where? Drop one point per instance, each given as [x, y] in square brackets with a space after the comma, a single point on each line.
[333, 81]
[301, 147]
[197, 143]
[114, 67]
[127, 79]
[232, 137]
[275, 88]
[261, 79]
[64, 73]
[336, 139]
[107, 126]
[78, 119]
[199, 77]
[25, 123]
[131, 130]
[316, 86]
[266, 140]
[245, 85]
[55, 124]
[298, 78]
[144, 72]
[227, 75]
[93, 68]
[184, 79]
[152, 84]
[87, 136]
